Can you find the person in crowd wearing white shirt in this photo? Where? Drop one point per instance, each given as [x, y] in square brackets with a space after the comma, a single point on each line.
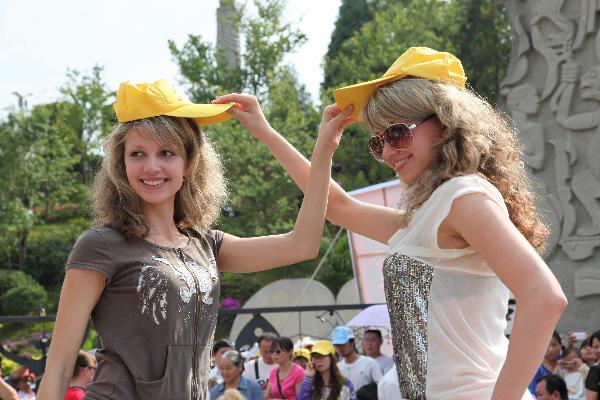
[361, 370]
[371, 342]
[260, 368]
[388, 387]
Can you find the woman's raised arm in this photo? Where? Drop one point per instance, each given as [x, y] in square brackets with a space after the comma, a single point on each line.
[303, 242]
[373, 221]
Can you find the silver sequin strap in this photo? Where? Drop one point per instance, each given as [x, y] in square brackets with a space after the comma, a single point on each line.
[407, 283]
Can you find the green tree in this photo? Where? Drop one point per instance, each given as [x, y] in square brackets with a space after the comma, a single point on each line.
[485, 45]
[36, 174]
[20, 294]
[263, 199]
[92, 115]
[267, 39]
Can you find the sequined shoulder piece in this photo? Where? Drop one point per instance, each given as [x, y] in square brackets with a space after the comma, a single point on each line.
[407, 283]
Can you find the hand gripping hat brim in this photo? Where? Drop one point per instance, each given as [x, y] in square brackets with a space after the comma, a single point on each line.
[144, 100]
[421, 62]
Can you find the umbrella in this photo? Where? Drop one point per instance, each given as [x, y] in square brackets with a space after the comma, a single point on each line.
[376, 315]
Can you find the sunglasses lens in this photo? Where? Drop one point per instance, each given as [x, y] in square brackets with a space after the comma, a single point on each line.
[376, 147]
[398, 136]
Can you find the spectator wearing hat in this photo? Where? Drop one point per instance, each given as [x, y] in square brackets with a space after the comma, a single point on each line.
[85, 367]
[301, 357]
[371, 342]
[148, 271]
[25, 386]
[323, 379]
[260, 368]
[551, 387]
[361, 370]
[231, 366]
[220, 347]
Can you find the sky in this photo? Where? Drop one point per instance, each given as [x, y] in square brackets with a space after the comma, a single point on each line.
[40, 40]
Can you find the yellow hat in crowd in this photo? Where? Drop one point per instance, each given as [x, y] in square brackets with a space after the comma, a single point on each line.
[145, 100]
[323, 347]
[302, 352]
[420, 62]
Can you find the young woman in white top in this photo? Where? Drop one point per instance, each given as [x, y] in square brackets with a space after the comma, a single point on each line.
[467, 230]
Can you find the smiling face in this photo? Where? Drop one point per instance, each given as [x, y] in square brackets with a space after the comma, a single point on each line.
[154, 171]
[411, 162]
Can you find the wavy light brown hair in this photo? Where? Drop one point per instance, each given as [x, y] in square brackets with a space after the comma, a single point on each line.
[475, 138]
[200, 199]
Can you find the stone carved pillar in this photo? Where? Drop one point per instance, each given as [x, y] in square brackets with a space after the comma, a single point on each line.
[228, 36]
[552, 92]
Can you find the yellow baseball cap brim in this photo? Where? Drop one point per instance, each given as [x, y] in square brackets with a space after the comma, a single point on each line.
[420, 62]
[203, 114]
[146, 100]
[359, 94]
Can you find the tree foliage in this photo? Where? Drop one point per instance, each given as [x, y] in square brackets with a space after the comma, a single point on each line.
[476, 31]
[47, 155]
[20, 294]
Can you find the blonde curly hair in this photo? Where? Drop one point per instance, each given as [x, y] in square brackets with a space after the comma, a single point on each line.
[197, 204]
[475, 138]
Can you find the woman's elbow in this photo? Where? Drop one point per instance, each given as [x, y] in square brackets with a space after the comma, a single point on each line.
[311, 252]
[555, 303]
[561, 302]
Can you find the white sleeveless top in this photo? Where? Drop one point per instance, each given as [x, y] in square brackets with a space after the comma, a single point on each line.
[462, 305]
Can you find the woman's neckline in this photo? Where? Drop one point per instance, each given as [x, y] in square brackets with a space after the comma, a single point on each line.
[160, 246]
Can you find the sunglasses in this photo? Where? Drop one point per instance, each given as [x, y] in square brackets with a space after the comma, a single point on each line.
[398, 136]
[278, 351]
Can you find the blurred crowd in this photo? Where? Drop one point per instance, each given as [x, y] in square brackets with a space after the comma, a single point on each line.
[334, 368]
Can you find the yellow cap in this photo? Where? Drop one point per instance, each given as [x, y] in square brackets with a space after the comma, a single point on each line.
[145, 100]
[421, 62]
[302, 352]
[323, 347]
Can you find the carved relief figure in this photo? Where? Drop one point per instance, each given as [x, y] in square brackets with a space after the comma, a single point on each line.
[518, 64]
[552, 36]
[585, 183]
[523, 101]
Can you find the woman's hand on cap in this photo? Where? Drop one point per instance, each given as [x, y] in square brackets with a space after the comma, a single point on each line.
[247, 111]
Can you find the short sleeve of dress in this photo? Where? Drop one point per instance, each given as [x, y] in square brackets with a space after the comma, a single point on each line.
[216, 238]
[91, 251]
